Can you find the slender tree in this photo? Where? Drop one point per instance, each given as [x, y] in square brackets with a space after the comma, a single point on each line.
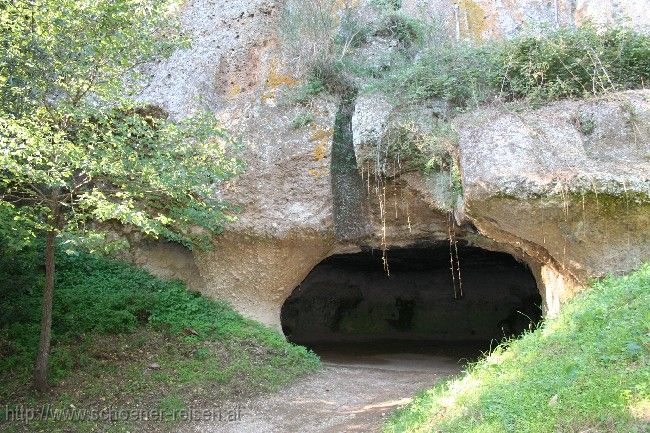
[77, 153]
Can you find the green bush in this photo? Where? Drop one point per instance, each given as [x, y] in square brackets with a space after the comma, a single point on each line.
[572, 63]
[407, 147]
[352, 32]
[308, 29]
[390, 5]
[318, 35]
[317, 32]
[334, 79]
[406, 30]
[565, 63]
[459, 73]
[309, 89]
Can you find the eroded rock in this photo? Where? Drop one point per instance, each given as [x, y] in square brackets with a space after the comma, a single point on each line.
[563, 188]
[574, 197]
[490, 19]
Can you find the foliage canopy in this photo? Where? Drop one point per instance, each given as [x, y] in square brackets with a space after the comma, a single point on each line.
[75, 147]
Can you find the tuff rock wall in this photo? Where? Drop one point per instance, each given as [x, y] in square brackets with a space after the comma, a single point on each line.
[570, 205]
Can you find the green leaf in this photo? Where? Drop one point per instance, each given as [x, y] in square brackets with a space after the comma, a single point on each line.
[75, 151]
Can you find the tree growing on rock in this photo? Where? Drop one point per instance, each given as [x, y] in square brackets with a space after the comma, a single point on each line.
[78, 153]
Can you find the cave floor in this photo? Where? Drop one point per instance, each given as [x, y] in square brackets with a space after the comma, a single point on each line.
[359, 386]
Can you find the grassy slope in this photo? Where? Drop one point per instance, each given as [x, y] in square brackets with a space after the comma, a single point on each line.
[586, 371]
[112, 323]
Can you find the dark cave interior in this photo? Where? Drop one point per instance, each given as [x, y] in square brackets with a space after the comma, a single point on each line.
[348, 298]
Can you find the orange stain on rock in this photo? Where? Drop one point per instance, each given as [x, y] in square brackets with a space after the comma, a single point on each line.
[277, 79]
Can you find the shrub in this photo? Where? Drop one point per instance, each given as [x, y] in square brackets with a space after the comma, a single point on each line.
[406, 30]
[573, 63]
[317, 36]
[407, 148]
[321, 35]
[352, 32]
[311, 88]
[96, 295]
[564, 63]
[458, 73]
[391, 5]
[308, 31]
[319, 32]
[334, 78]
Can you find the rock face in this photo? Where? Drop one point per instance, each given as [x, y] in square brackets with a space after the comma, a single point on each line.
[563, 189]
[489, 19]
[232, 43]
[285, 224]
[635, 13]
[567, 184]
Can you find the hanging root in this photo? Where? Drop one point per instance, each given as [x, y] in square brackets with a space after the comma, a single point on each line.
[380, 192]
[454, 259]
[460, 280]
[408, 211]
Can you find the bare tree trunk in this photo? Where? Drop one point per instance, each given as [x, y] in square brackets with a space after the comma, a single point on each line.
[40, 373]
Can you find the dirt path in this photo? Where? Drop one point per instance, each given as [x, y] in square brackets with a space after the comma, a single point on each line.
[350, 394]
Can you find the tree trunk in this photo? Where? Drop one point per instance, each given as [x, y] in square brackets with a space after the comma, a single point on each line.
[40, 373]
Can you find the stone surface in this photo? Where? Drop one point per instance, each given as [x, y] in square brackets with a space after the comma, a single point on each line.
[490, 19]
[256, 273]
[167, 260]
[524, 172]
[574, 197]
[378, 120]
[231, 44]
[370, 123]
[634, 13]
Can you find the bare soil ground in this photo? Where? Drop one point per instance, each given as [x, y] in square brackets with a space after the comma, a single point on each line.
[353, 393]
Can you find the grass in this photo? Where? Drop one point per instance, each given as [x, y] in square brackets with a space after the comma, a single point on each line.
[123, 338]
[588, 370]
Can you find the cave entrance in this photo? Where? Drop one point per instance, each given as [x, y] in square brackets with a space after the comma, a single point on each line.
[348, 301]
